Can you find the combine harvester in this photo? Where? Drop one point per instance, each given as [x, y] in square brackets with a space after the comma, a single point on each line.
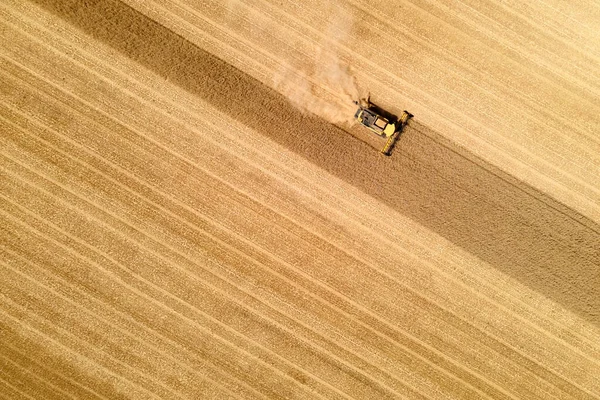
[382, 123]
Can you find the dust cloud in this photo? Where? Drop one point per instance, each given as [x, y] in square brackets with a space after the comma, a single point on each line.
[324, 85]
[320, 83]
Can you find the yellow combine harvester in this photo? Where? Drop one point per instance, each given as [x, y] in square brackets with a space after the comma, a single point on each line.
[382, 123]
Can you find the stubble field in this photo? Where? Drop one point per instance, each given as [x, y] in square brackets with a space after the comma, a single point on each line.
[187, 214]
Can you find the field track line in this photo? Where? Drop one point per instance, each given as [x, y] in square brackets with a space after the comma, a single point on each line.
[113, 326]
[16, 391]
[39, 378]
[14, 349]
[66, 348]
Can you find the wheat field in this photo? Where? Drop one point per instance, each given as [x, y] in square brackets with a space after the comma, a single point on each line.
[187, 212]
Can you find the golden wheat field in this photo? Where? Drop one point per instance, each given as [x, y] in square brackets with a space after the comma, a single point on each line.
[188, 210]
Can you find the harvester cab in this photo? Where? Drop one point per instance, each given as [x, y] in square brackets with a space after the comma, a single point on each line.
[381, 123]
